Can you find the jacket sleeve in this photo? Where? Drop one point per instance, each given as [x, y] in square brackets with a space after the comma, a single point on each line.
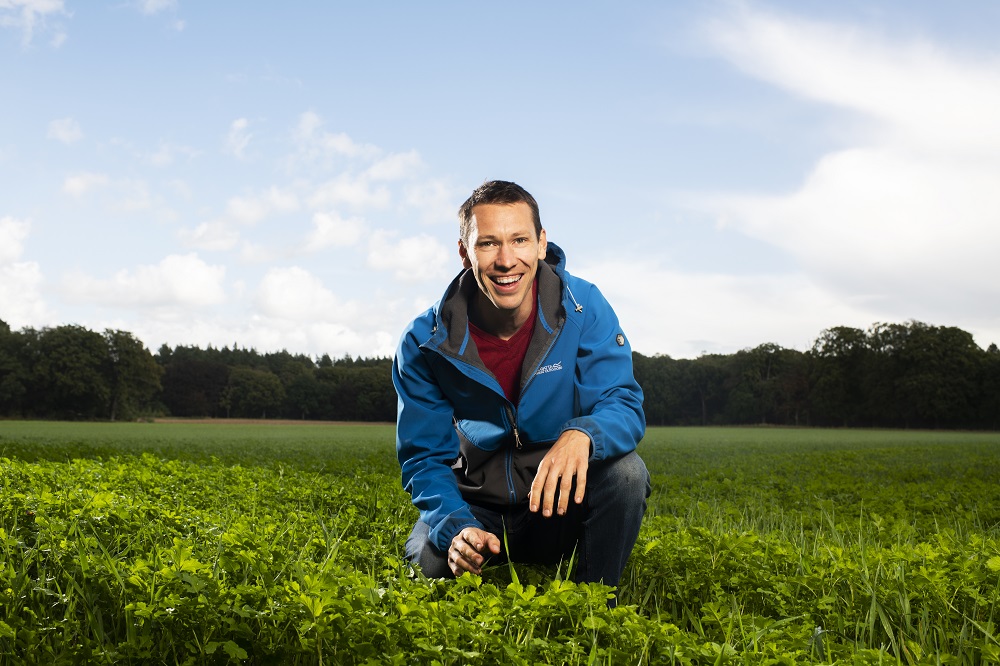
[427, 444]
[609, 400]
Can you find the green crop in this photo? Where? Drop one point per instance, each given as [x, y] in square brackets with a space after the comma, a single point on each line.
[205, 543]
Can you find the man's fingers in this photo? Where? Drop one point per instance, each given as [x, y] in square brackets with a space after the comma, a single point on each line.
[581, 486]
[469, 550]
[549, 492]
[565, 486]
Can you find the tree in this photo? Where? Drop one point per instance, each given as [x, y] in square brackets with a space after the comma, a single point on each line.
[72, 373]
[14, 378]
[135, 375]
[838, 359]
[193, 386]
[252, 393]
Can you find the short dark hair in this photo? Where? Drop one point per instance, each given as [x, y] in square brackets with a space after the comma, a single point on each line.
[501, 192]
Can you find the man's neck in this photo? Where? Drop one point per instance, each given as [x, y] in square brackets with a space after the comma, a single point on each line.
[501, 323]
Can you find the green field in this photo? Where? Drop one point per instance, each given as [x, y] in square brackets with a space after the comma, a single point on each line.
[278, 544]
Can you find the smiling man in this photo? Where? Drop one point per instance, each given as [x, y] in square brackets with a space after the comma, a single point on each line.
[519, 414]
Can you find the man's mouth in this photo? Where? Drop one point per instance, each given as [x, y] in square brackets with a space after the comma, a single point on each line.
[506, 280]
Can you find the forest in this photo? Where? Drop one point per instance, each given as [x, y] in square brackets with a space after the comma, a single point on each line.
[909, 375]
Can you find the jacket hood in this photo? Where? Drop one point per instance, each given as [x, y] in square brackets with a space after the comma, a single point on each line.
[555, 257]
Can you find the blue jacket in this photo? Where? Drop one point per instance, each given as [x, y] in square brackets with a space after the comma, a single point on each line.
[460, 440]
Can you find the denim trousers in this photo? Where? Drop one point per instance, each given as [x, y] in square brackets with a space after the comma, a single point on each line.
[599, 533]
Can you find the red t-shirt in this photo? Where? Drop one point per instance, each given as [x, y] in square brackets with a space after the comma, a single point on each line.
[505, 357]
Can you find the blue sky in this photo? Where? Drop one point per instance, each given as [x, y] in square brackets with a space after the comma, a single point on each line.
[285, 176]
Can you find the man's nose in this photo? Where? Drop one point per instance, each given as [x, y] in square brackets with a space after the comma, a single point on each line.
[505, 256]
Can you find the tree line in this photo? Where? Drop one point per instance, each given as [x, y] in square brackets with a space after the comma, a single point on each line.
[910, 375]
[70, 372]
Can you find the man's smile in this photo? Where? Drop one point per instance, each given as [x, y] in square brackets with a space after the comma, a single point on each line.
[505, 280]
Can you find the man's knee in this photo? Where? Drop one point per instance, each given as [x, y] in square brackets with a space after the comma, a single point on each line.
[626, 477]
[420, 551]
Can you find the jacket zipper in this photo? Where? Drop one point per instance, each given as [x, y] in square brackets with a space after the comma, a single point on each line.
[512, 417]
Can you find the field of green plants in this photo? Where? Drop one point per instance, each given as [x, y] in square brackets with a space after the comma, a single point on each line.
[171, 543]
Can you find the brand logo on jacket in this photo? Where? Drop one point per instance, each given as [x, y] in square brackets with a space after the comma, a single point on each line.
[552, 367]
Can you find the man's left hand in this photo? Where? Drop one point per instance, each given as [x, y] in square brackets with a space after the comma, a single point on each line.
[568, 458]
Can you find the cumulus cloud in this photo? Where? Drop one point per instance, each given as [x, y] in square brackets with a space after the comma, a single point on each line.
[81, 183]
[151, 7]
[178, 280]
[351, 191]
[435, 199]
[12, 235]
[21, 302]
[66, 130]
[223, 233]
[252, 209]
[332, 230]
[168, 152]
[28, 16]
[413, 259]
[397, 166]
[908, 218]
[296, 294]
[685, 315]
[212, 235]
[239, 137]
[315, 143]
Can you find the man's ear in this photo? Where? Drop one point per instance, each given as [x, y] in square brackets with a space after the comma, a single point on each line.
[464, 254]
[543, 245]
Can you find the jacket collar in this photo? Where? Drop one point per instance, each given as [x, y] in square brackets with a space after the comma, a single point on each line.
[452, 317]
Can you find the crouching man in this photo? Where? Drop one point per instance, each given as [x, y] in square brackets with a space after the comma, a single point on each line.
[519, 414]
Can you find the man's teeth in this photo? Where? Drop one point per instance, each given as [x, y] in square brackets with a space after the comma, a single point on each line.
[507, 280]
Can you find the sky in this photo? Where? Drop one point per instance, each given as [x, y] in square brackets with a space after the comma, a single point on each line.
[285, 176]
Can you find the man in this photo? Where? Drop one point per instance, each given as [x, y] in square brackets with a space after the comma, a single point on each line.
[518, 411]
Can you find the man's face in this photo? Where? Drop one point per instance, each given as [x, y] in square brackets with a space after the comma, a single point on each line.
[503, 253]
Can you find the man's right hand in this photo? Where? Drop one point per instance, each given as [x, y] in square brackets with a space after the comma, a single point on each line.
[470, 549]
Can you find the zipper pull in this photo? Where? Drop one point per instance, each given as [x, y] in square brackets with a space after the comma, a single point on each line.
[513, 424]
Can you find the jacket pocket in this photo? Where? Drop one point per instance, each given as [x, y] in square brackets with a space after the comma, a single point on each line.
[483, 435]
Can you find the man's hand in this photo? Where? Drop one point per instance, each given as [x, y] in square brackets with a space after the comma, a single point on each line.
[568, 458]
[469, 550]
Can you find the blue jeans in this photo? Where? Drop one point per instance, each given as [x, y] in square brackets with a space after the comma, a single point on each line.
[601, 531]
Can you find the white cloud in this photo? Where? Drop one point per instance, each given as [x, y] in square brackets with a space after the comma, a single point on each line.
[253, 209]
[908, 219]
[12, 235]
[66, 130]
[168, 152]
[178, 280]
[397, 166]
[314, 143]
[922, 94]
[155, 6]
[213, 235]
[684, 314]
[436, 201]
[297, 295]
[81, 183]
[21, 303]
[332, 230]
[352, 191]
[29, 15]
[413, 259]
[238, 138]
[223, 233]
